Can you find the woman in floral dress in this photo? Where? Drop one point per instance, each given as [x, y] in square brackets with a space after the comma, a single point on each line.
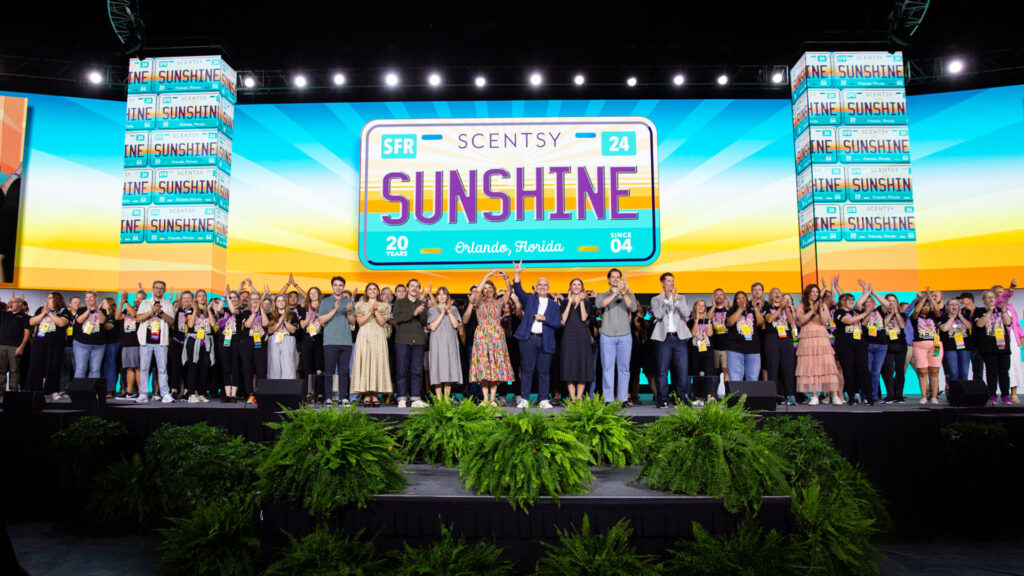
[490, 365]
[371, 374]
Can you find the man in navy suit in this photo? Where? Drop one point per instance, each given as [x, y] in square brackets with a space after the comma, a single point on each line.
[536, 336]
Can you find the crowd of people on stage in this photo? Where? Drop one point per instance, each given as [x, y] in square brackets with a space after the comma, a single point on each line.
[400, 344]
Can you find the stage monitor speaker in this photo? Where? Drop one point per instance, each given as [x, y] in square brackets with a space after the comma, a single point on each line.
[283, 392]
[24, 401]
[88, 394]
[761, 394]
[704, 385]
[967, 392]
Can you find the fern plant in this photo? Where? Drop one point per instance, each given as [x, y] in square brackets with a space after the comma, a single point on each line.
[450, 556]
[604, 429]
[123, 497]
[717, 451]
[86, 448]
[197, 463]
[747, 551]
[584, 553]
[217, 538]
[832, 533]
[326, 552]
[525, 455]
[328, 459]
[443, 432]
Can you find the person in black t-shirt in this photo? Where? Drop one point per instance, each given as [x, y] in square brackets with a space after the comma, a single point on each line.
[956, 357]
[977, 366]
[14, 337]
[719, 340]
[744, 339]
[89, 341]
[127, 329]
[50, 321]
[851, 346]
[779, 355]
[994, 344]
[894, 369]
[927, 345]
[111, 345]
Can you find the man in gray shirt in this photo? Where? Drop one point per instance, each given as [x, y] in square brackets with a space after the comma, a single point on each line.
[335, 316]
[616, 341]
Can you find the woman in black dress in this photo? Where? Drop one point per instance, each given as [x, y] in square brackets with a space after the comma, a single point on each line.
[577, 366]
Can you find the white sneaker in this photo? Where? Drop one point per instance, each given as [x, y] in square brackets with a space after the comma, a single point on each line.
[544, 405]
[193, 399]
[55, 396]
[923, 400]
[934, 400]
[167, 399]
[346, 402]
[417, 403]
[814, 400]
[202, 399]
[698, 403]
[403, 404]
[827, 399]
[523, 403]
[837, 401]
[328, 402]
[142, 399]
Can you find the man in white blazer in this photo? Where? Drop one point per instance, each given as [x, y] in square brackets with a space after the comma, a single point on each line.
[670, 311]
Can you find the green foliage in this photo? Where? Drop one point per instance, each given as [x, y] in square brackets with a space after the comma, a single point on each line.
[836, 508]
[717, 451]
[604, 429]
[326, 552]
[449, 556]
[124, 497]
[976, 442]
[86, 448]
[443, 432]
[583, 553]
[217, 538]
[527, 454]
[831, 533]
[329, 459]
[747, 551]
[198, 463]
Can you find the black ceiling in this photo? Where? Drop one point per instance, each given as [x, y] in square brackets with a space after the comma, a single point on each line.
[561, 35]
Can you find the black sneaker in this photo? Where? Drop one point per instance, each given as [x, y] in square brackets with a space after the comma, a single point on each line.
[661, 404]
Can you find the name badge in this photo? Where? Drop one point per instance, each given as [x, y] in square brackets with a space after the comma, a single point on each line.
[154, 327]
[872, 330]
[45, 327]
[201, 334]
[313, 329]
[894, 334]
[959, 339]
[748, 333]
[782, 329]
[938, 346]
[719, 328]
[279, 337]
[1000, 336]
[702, 346]
[70, 331]
[856, 332]
[257, 339]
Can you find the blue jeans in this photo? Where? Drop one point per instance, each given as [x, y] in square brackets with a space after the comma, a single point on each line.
[673, 351]
[147, 352]
[876, 358]
[88, 359]
[615, 354]
[534, 358]
[409, 360]
[743, 366]
[958, 364]
[110, 350]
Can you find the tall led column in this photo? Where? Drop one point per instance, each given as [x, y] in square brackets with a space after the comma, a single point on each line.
[854, 191]
[177, 177]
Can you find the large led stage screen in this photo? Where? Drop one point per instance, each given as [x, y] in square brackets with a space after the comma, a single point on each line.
[446, 191]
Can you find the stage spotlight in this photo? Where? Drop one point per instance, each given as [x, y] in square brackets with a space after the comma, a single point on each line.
[480, 81]
[723, 80]
[339, 79]
[955, 66]
[391, 79]
[95, 77]
[300, 81]
[631, 81]
[536, 79]
[777, 78]
[434, 79]
[249, 82]
[678, 79]
[579, 80]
